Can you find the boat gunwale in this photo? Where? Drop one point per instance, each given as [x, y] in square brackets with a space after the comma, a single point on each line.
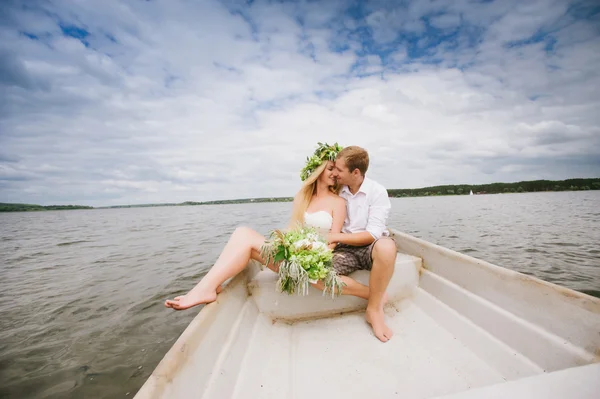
[178, 355]
[499, 270]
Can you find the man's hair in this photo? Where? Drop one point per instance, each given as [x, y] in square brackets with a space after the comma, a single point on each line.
[355, 158]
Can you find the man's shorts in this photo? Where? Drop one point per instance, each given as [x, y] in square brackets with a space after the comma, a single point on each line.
[348, 258]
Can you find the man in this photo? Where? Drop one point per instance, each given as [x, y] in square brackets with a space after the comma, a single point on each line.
[363, 243]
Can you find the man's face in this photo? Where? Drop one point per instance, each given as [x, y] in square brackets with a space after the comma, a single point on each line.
[341, 172]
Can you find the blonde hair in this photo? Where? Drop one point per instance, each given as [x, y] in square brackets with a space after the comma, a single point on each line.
[305, 195]
[355, 158]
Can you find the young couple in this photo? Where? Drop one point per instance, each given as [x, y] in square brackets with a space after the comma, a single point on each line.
[337, 198]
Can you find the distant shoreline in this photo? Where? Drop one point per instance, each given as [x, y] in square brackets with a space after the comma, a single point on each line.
[9, 207]
[218, 202]
[531, 186]
[453, 189]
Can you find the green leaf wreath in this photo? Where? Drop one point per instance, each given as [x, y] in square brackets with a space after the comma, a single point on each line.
[324, 152]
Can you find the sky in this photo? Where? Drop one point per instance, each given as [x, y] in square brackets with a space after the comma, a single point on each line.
[131, 102]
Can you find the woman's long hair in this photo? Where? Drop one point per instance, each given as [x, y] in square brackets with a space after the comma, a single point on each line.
[306, 193]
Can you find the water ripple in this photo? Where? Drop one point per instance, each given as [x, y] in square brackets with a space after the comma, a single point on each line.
[86, 317]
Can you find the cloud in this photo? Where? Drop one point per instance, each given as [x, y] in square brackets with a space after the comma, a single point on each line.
[170, 101]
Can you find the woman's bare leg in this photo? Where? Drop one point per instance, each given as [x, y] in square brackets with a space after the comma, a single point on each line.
[219, 289]
[243, 245]
[352, 287]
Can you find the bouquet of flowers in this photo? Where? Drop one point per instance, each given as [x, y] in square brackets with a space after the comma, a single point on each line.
[304, 258]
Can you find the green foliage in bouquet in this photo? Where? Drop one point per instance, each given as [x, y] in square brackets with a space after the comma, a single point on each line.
[303, 257]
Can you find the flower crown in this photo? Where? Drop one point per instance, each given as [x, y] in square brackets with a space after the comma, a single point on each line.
[324, 152]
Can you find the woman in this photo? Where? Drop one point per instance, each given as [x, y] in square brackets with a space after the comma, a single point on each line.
[316, 204]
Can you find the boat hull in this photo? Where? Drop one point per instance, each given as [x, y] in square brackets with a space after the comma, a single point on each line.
[460, 323]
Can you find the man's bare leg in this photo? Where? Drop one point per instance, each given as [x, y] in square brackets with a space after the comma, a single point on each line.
[352, 287]
[243, 245]
[384, 257]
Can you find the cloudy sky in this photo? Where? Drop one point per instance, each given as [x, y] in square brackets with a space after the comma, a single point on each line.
[122, 102]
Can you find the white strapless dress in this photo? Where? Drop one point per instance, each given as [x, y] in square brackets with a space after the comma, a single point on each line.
[320, 220]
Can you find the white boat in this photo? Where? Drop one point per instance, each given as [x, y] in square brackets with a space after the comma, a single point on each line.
[471, 192]
[464, 328]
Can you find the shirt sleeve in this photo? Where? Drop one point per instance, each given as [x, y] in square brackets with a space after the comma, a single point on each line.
[379, 210]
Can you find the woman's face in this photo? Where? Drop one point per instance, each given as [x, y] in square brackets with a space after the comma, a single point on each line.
[327, 177]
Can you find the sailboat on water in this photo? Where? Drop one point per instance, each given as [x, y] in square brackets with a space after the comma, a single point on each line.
[471, 193]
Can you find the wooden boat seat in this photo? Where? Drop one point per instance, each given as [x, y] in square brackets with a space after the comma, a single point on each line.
[281, 306]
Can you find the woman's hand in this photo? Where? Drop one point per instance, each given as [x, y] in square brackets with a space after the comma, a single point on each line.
[333, 238]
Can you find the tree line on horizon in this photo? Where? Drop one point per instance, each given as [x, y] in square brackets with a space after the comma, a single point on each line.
[7, 207]
[500, 188]
[456, 189]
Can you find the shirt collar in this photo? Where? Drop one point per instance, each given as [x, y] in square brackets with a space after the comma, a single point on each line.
[364, 187]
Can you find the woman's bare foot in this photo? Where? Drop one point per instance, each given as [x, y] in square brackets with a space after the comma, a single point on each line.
[192, 298]
[376, 319]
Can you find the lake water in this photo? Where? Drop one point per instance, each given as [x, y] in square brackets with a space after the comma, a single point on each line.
[81, 292]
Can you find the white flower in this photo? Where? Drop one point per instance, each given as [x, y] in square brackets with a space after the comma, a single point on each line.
[301, 243]
[319, 246]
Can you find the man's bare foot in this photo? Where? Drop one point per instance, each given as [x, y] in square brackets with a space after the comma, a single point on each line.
[376, 319]
[192, 299]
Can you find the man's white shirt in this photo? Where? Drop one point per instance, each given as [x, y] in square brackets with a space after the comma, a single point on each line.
[367, 210]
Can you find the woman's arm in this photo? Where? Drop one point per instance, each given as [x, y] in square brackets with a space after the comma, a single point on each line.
[339, 216]
[295, 206]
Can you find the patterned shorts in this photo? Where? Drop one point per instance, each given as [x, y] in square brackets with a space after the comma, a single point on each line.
[348, 258]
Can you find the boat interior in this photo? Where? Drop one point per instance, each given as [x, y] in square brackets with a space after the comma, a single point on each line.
[462, 328]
